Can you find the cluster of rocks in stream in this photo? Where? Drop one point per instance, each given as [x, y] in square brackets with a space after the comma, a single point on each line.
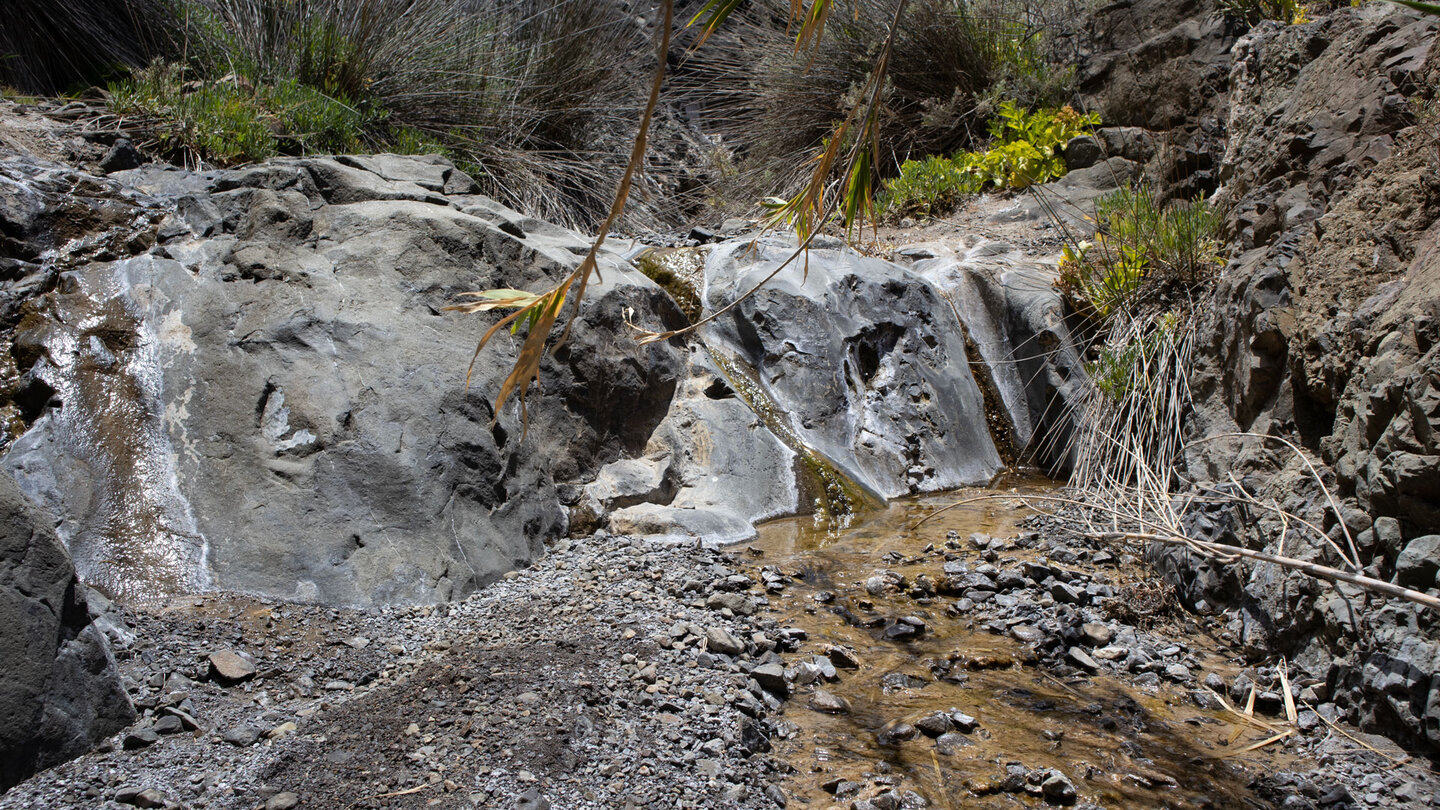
[1067, 601]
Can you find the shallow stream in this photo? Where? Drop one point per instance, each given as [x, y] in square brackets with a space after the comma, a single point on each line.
[1119, 744]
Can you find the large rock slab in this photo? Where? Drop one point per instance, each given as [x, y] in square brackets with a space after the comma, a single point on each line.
[274, 400]
[863, 360]
[60, 692]
[1016, 322]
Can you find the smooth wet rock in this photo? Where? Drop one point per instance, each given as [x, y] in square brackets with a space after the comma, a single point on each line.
[1058, 789]
[934, 724]
[897, 732]
[951, 744]
[843, 657]
[864, 360]
[829, 702]
[964, 722]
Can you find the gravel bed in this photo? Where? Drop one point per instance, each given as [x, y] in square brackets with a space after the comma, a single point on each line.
[581, 682]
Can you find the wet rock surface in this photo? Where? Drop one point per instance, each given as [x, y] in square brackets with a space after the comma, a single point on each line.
[278, 367]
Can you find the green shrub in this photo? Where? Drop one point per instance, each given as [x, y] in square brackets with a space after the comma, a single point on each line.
[1138, 242]
[536, 98]
[1025, 149]
[1250, 12]
[231, 122]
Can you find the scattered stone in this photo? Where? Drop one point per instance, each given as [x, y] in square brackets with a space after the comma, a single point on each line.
[140, 738]
[771, 678]
[719, 640]
[140, 797]
[229, 667]
[169, 724]
[243, 735]
[1082, 659]
[285, 800]
[829, 702]
[1096, 634]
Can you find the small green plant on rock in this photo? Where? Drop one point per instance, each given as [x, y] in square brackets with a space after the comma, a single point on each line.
[1250, 12]
[1136, 242]
[1024, 149]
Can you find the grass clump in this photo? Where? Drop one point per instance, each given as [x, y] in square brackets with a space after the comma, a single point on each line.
[1138, 245]
[1024, 149]
[535, 98]
[951, 61]
[230, 122]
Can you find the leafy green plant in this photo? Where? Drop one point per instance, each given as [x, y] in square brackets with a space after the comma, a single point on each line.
[1119, 370]
[1136, 242]
[1025, 149]
[1250, 12]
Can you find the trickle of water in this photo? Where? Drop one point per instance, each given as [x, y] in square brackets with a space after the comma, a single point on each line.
[1120, 746]
[103, 358]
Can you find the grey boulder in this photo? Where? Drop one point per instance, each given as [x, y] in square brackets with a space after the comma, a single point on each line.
[60, 692]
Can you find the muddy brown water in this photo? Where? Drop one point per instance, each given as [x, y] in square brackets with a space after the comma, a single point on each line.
[1120, 745]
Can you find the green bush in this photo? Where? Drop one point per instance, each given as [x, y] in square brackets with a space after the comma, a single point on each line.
[1250, 12]
[1138, 242]
[1025, 149]
[231, 122]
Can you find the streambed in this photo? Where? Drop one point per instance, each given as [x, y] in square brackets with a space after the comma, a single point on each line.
[1117, 739]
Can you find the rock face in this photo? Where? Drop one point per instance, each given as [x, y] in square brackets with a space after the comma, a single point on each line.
[60, 692]
[1323, 330]
[262, 392]
[865, 361]
[273, 400]
[827, 391]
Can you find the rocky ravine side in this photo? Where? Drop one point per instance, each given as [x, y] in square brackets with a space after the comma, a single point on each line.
[1316, 143]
